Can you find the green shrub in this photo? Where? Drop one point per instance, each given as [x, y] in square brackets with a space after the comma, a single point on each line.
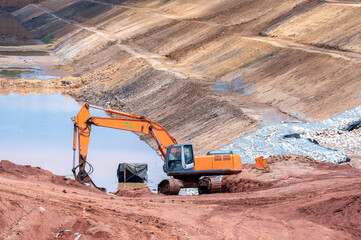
[48, 38]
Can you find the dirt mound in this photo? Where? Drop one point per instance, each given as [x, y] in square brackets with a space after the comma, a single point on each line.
[337, 213]
[88, 228]
[28, 172]
[232, 184]
[291, 157]
[140, 192]
[240, 183]
[21, 170]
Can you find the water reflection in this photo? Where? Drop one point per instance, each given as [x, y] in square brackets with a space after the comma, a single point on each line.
[37, 130]
[24, 72]
[24, 53]
[15, 73]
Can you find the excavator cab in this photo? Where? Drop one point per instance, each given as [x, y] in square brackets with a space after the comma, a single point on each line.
[199, 172]
[179, 159]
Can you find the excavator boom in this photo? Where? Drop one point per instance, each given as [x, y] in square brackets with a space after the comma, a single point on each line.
[154, 130]
[131, 122]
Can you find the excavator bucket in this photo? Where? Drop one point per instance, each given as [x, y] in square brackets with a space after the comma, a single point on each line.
[262, 165]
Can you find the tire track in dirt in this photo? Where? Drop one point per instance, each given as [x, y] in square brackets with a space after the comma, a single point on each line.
[344, 3]
[353, 57]
[156, 61]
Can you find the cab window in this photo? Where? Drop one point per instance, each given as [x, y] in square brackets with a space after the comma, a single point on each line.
[188, 155]
[175, 157]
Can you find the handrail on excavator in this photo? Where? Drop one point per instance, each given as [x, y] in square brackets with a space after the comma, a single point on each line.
[108, 110]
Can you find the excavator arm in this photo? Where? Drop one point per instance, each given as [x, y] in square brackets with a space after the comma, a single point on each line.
[157, 132]
[130, 122]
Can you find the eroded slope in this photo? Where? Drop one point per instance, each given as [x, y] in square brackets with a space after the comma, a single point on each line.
[161, 59]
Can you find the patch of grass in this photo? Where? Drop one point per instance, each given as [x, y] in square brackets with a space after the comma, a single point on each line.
[165, 1]
[48, 38]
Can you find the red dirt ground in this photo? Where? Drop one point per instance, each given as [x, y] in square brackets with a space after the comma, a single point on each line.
[142, 192]
[299, 199]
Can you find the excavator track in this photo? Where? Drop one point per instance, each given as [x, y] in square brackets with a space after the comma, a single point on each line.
[169, 187]
[209, 185]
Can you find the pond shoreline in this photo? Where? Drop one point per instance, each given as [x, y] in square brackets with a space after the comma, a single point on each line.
[40, 58]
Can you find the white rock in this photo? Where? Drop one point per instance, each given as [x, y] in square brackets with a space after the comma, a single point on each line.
[41, 209]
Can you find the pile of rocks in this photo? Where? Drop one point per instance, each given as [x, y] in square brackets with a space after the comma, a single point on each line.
[329, 140]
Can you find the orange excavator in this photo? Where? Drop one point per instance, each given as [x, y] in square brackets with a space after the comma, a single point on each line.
[186, 170]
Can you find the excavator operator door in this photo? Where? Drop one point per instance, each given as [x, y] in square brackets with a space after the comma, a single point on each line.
[179, 159]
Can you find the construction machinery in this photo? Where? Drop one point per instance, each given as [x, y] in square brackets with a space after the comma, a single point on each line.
[186, 170]
[262, 165]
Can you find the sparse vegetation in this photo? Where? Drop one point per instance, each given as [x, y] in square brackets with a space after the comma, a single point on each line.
[48, 38]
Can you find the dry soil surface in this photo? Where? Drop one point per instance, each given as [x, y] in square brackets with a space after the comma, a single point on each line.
[299, 199]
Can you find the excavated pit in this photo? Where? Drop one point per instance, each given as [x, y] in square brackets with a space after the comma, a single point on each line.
[162, 59]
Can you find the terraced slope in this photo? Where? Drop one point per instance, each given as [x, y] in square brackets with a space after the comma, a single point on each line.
[18, 3]
[162, 59]
[330, 24]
